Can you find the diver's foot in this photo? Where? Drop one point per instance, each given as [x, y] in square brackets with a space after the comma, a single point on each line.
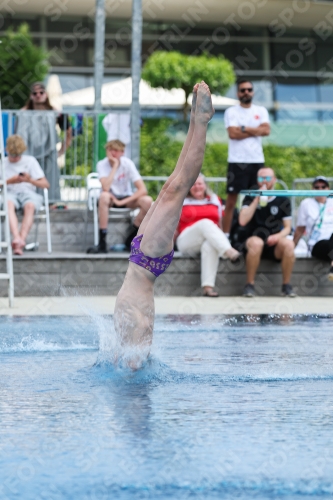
[194, 101]
[204, 107]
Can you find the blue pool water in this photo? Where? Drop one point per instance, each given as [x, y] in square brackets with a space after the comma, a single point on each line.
[228, 407]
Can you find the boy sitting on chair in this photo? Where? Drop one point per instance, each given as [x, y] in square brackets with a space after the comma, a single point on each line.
[23, 176]
[117, 174]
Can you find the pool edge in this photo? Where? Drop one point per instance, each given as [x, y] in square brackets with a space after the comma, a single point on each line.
[81, 305]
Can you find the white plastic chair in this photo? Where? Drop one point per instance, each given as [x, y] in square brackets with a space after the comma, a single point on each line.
[42, 214]
[116, 213]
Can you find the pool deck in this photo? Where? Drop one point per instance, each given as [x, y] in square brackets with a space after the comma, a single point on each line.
[79, 306]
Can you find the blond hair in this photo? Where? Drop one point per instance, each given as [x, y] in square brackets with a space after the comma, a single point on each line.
[15, 145]
[115, 144]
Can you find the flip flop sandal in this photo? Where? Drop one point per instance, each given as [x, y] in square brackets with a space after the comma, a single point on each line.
[210, 293]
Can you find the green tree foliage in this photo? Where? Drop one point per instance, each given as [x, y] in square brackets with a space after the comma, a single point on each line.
[159, 154]
[21, 64]
[171, 70]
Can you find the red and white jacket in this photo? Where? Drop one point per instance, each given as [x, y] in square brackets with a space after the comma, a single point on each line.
[195, 210]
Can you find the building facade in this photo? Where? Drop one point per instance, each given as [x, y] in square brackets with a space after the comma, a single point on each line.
[284, 47]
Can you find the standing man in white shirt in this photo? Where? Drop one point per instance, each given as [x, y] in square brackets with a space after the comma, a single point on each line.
[246, 124]
[117, 174]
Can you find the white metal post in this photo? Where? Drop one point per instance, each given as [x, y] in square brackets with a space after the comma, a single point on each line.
[95, 221]
[48, 226]
[98, 67]
[136, 77]
[7, 243]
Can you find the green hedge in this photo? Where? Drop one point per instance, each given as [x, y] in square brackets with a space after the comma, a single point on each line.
[159, 153]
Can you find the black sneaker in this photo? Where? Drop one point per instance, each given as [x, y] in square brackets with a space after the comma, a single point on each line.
[287, 291]
[330, 274]
[249, 290]
[132, 232]
[100, 248]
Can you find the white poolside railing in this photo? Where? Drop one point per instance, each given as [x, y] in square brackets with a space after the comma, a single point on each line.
[80, 158]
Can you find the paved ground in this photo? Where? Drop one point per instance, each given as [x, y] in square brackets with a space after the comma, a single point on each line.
[35, 306]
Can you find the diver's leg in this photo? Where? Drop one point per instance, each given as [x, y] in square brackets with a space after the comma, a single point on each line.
[179, 164]
[158, 234]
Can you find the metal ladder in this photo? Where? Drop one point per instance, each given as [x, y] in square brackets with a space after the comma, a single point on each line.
[6, 244]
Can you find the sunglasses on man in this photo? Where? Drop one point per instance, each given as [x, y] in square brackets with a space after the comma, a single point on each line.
[250, 89]
[38, 92]
[267, 178]
[320, 186]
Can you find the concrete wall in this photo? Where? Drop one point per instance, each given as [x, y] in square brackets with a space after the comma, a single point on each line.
[68, 231]
[69, 270]
[38, 274]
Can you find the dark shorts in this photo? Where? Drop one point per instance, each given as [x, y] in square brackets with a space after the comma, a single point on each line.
[323, 249]
[242, 176]
[268, 253]
[121, 198]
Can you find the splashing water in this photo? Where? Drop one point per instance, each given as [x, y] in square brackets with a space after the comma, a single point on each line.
[113, 350]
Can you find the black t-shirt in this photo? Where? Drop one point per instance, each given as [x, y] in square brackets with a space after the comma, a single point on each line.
[269, 219]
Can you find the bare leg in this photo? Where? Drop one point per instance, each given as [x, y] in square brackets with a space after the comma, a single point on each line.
[229, 211]
[103, 210]
[28, 219]
[13, 222]
[159, 232]
[254, 247]
[134, 310]
[17, 242]
[284, 250]
[144, 203]
[179, 163]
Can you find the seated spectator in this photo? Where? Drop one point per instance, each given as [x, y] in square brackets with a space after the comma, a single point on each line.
[23, 175]
[315, 219]
[199, 231]
[268, 223]
[117, 173]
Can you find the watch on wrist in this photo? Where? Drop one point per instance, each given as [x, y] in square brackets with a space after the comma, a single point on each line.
[243, 129]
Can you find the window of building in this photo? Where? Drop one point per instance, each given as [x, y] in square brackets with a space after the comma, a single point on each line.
[68, 51]
[14, 22]
[295, 92]
[326, 91]
[297, 115]
[324, 58]
[298, 95]
[63, 25]
[292, 57]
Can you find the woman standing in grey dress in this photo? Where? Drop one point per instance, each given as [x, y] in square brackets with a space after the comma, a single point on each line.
[37, 127]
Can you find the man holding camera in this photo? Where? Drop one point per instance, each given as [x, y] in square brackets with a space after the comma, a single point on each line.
[23, 176]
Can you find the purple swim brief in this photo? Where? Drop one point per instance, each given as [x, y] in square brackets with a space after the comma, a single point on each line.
[156, 265]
